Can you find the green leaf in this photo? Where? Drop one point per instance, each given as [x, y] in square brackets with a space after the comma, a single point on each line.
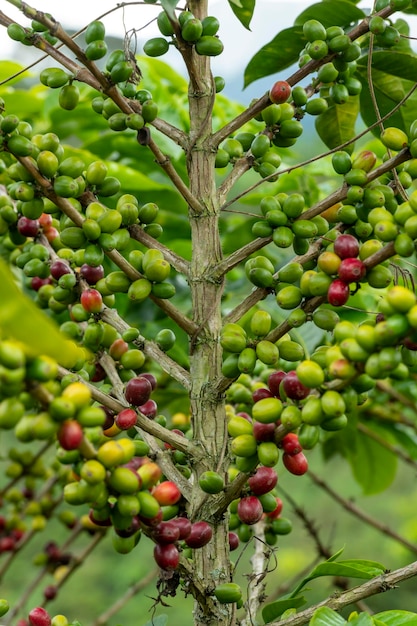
[363, 619]
[397, 618]
[8, 69]
[243, 9]
[277, 55]
[336, 13]
[373, 466]
[169, 6]
[391, 82]
[23, 321]
[326, 617]
[276, 609]
[351, 568]
[337, 124]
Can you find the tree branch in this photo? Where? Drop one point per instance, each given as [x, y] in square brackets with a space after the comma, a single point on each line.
[338, 601]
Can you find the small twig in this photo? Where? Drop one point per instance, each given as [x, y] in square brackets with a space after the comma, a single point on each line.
[357, 512]
[121, 602]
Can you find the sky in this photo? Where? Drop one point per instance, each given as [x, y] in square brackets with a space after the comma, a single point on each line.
[269, 18]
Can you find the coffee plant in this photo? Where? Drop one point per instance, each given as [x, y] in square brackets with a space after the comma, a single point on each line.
[188, 310]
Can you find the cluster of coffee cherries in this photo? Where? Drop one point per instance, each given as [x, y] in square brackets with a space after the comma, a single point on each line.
[187, 30]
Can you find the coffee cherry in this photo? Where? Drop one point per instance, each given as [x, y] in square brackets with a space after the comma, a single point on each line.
[346, 246]
[227, 593]
[166, 556]
[200, 534]
[166, 532]
[293, 387]
[39, 617]
[91, 300]
[296, 464]
[263, 481]
[290, 444]
[338, 293]
[274, 382]
[249, 510]
[138, 391]
[280, 92]
[184, 526]
[351, 270]
[126, 419]
[70, 435]
[167, 493]
[211, 482]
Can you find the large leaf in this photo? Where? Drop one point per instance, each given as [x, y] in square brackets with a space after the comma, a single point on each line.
[373, 466]
[276, 609]
[332, 13]
[391, 83]
[20, 319]
[326, 617]
[397, 618]
[277, 55]
[243, 9]
[337, 124]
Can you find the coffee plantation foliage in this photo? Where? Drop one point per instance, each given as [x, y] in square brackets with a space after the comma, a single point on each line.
[191, 314]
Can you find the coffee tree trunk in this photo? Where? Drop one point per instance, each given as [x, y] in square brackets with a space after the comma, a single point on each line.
[211, 563]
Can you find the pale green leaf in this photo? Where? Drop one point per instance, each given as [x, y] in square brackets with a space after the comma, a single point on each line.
[326, 617]
[397, 618]
[21, 320]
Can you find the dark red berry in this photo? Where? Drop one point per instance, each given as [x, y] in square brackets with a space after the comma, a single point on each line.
[290, 444]
[166, 556]
[263, 480]
[274, 382]
[338, 293]
[27, 227]
[293, 387]
[351, 270]
[295, 463]
[200, 535]
[91, 274]
[166, 532]
[249, 510]
[261, 393]
[346, 246]
[138, 390]
[39, 617]
[233, 541]
[59, 268]
[70, 435]
[263, 432]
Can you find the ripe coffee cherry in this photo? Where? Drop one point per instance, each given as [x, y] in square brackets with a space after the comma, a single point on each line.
[138, 390]
[274, 382]
[290, 444]
[293, 387]
[263, 481]
[151, 379]
[184, 526]
[59, 268]
[167, 493]
[233, 541]
[346, 246]
[91, 300]
[28, 227]
[249, 510]
[296, 464]
[150, 409]
[351, 270]
[166, 532]
[263, 432]
[261, 393]
[49, 593]
[126, 419]
[280, 92]
[166, 556]
[200, 535]
[39, 617]
[338, 293]
[70, 435]
[91, 274]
